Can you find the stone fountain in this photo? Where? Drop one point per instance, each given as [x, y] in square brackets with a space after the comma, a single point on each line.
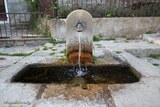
[79, 37]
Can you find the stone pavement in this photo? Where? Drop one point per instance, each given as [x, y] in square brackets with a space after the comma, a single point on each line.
[144, 93]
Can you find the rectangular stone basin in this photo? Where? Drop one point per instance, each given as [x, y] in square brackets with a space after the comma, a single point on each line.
[66, 74]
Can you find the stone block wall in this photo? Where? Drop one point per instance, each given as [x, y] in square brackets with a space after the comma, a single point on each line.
[130, 27]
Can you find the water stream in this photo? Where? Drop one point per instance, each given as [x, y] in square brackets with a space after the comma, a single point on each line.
[80, 71]
[79, 53]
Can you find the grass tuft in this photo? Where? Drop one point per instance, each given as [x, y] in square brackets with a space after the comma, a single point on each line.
[52, 54]
[154, 56]
[15, 54]
[96, 38]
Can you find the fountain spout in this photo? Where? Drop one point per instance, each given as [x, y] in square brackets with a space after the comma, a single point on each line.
[79, 26]
[79, 37]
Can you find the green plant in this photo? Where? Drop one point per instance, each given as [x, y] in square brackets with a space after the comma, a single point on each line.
[34, 19]
[96, 10]
[63, 10]
[64, 52]
[112, 12]
[54, 41]
[52, 54]
[96, 38]
[33, 6]
[154, 56]
[119, 11]
[45, 48]
[64, 59]
[21, 54]
[118, 52]
[149, 32]
[16, 54]
[8, 45]
[99, 45]
[94, 58]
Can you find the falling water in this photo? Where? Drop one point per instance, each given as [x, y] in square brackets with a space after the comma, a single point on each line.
[79, 53]
[80, 71]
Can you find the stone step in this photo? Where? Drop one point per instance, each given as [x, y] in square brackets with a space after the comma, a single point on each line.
[152, 38]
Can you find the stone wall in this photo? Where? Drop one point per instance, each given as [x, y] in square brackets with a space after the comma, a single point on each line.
[23, 42]
[111, 27]
[106, 3]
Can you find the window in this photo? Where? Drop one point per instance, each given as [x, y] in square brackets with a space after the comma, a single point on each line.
[3, 10]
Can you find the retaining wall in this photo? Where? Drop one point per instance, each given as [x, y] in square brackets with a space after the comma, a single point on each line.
[131, 27]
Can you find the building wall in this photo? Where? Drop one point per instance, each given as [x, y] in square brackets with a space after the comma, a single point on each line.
[17, 6]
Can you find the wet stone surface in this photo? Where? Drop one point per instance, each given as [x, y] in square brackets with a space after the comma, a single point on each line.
[84, 58]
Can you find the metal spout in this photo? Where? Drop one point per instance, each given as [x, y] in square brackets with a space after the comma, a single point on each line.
[79, 26]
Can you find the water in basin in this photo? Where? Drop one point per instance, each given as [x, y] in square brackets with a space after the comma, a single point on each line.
[92, 74]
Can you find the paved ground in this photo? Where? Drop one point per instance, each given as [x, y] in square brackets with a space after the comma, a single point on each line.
[144, 93]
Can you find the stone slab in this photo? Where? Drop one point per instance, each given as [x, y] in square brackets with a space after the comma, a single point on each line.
[8, 73]
[63, 95]
[153, 38]
[17, 95]
[144, 68]
[8, 61]
[142, 94]
[18, 49]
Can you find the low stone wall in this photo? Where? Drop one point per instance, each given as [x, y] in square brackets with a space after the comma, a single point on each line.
[23, 42]
[130, 27]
